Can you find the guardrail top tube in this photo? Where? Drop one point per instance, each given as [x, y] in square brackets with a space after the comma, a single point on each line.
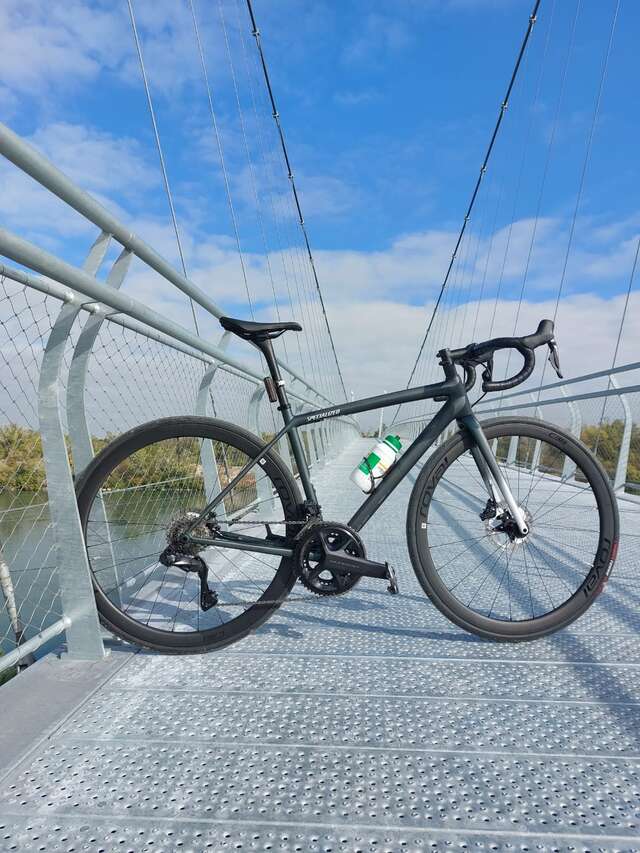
[26, 158]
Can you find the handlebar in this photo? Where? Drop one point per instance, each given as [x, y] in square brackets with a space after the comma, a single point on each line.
[471, 356]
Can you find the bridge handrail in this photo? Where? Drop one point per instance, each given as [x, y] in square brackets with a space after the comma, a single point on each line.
[57, 426]
[412, 425]
[38, 167]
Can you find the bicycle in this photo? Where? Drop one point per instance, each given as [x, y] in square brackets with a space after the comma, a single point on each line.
[196, 530]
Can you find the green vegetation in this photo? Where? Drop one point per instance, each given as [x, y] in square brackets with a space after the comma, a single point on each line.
[7, 674]
[22, 467]
[21, 464]
[605, 441]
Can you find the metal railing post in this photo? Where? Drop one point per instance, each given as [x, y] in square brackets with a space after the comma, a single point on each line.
[210, 472]
[79, 436]
[76, 591]
[620, 476]
[575, 427]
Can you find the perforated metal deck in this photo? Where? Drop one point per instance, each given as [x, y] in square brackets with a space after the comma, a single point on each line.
[365, 723]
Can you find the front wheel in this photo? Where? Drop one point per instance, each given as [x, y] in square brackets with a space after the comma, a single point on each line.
[138, 496]
[481, 576]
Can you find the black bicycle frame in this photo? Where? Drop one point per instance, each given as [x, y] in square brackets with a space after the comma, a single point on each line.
[456, 407]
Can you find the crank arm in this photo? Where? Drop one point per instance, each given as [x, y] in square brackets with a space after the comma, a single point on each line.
[340, 561]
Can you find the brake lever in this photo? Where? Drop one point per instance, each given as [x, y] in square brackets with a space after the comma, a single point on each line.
[487, 373]
[554, 358]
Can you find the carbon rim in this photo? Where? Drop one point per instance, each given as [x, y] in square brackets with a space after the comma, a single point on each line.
[481, 577]
[139, 489]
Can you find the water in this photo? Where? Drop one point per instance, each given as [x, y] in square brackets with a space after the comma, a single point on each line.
[27, 547]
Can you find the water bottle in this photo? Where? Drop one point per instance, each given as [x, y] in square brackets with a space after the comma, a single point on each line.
[376, 464]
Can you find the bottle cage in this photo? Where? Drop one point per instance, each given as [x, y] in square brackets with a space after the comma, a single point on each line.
[370, 473]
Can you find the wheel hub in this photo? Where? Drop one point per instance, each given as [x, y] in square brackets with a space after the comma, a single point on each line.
[503, 530]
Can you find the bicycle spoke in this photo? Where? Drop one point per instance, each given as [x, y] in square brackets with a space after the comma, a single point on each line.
[495, 573]
[141, 508]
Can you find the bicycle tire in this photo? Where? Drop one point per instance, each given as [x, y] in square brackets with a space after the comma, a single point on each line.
[123, 448]
[420, 546]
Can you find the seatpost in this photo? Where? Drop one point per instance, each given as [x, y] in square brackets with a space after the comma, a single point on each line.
[266, 348]
[278, 389]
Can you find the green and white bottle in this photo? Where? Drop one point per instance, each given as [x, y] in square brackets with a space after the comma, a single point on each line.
[376, 464]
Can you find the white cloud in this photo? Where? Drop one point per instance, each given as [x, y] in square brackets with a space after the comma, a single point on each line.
[53, 48]
[349, 98]
[99, 162]
[378, 342]
[379, 303]
[377, 34]
[45, 45]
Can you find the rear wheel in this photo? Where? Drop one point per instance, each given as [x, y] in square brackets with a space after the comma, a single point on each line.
[475, 570]
[135, 500]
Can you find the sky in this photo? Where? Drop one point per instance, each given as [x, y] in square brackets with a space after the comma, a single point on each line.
[387, 110]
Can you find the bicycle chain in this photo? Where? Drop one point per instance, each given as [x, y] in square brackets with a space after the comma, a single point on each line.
[290, 599]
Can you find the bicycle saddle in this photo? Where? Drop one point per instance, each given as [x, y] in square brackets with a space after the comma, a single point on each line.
[252, 331]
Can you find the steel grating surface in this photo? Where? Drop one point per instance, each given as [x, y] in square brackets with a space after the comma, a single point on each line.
[365, 723]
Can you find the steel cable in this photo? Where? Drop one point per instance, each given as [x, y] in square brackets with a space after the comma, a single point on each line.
[294, 190]
[483, 169]
[163, 168]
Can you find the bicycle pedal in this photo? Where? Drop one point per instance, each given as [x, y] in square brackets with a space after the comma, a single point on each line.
[393, 588]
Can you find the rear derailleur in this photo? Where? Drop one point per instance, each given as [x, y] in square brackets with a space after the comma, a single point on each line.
[182, 553]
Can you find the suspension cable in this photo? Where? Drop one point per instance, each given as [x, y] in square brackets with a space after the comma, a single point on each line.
[587, 156]
[163, 168]
[225, 176]
[294, 190]
[545, 171]
[523, 161]
[483, 169]
[583, 172]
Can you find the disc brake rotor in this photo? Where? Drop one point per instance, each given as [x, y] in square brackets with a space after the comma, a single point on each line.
[501, 529]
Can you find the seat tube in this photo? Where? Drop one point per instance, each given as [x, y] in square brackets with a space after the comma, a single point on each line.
[284, 407]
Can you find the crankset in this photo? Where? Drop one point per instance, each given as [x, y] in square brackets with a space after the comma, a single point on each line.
[330, 557]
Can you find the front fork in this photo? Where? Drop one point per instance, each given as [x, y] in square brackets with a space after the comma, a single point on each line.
[489, 468]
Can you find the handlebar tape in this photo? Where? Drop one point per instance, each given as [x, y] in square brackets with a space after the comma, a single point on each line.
[475, 354]
[527, 369]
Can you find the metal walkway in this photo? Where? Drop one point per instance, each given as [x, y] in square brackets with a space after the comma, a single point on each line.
[364, 723]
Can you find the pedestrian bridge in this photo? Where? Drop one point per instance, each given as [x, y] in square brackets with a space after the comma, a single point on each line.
[365, 722]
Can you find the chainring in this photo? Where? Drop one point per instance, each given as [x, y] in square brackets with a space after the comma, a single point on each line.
[309, 553]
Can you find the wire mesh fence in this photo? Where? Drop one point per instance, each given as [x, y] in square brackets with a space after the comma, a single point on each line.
[29, 596]
[131, 376]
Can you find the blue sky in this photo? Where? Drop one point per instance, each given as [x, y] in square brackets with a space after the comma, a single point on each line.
[387, 109]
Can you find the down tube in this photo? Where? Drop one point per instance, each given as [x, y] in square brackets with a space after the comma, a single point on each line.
[448, 413]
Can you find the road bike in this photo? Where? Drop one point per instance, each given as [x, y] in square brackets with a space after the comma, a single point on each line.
[196, 530]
